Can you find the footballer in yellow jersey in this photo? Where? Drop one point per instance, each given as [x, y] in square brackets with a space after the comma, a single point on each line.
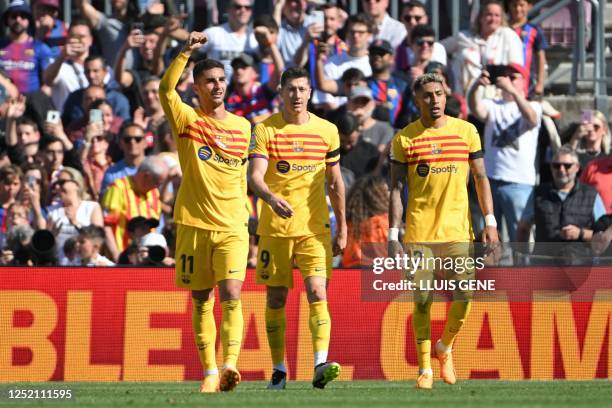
[434, 155]
[211, 208]
[295, 154]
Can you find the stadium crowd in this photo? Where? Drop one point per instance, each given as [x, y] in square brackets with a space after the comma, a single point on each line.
[88, 162]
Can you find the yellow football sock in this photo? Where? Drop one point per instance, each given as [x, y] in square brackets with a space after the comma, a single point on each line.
[457, 314]
[205, 332]
[232, 326]
[320, 328]
[422, 333]
[276, 323]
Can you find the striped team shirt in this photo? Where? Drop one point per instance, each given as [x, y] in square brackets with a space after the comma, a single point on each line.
[297, 159]
[121, 203]
[438, 167]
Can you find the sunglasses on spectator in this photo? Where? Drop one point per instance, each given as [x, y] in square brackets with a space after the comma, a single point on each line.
[417, 18]
[61, 182]
[98, 138]
[596, 126]
[242, 7]
[137, 139]
[420, 42]
[20, 15]
[557, 165]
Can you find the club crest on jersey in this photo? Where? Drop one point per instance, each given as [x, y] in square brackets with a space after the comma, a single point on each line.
[221, 141]
[205, 153]
[283, 166]
[298, 146]
[435, 149]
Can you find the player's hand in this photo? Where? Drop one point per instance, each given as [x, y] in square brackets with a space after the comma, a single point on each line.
[340, 240]
[490, 239]
[395, 248]
[281, 207]
[195, 41]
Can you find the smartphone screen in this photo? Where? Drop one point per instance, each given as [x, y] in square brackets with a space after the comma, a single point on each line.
[95, 115]
[53, 116]
[587, 116]
[318, 18]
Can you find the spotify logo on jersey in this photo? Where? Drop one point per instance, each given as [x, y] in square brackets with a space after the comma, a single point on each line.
[422, 170]
[283, 166]
[204, 153]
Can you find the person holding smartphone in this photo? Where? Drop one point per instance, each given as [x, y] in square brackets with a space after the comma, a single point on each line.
[591, 139]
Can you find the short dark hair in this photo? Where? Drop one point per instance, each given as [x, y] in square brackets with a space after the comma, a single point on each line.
[422, 30]
[412, 4]
[93, 232]
[206, 65]
[294, 73]
[361, 18]
[94, 58]
[426, 79]
[129, 124]
[99, 102]
[346, 122]
[353, 74]
[26, 120]
[79, 22]
[266, 20]
[45, 142]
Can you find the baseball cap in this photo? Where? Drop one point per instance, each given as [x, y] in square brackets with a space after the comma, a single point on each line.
[49, 3]
[381, 45]
[141, 221]
[243, 59]
[153, 239]
[360, 92]
[17, 6]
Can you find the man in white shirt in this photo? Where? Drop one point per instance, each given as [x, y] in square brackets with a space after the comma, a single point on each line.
[511, 132]
[385, 27]
[229, 40]
[359, 34]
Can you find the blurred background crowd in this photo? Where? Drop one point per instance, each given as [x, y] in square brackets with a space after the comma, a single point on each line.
[88, 164]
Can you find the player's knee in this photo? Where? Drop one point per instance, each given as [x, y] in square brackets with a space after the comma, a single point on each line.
[277, 297]
[203, 295]
[229, 289]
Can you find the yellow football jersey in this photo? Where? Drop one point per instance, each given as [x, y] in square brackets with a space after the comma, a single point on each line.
[212, 154]
[297, 158]
[438, 170]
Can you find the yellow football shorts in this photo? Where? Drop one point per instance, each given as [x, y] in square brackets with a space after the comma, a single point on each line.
[205, 257]
[312, 254]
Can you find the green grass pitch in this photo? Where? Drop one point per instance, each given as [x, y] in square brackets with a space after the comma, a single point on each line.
[368, 394]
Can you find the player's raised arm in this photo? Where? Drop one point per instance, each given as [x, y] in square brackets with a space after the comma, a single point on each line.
[483, 190]
[398, 176]
[257, 170]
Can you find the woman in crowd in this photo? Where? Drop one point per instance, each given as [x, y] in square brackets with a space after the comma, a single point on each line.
[73, 211]
[35, 193]
[367, 209]
[591, 139]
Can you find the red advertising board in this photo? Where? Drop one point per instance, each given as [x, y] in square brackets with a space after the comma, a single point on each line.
[134, 325]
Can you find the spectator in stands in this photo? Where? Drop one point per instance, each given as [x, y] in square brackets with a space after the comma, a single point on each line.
[591, 139]
[356, 155]
[564, 210]
[359, 33]
[602, 237]
[306, 54]
[150, 115]
[491, 43]
[250, 98]
[385, 27]
[227, 41]
[11, 178]
[94, 154]
[49, 28]
[110, 31]
[73, 211]
[97, 74]
[67, 72]
[90, 242]
[137, 228]
[367, 208]
[109, 126]
[133, 144]
[534, 45]
[413, 14]
[375, 132]
[512, 126]
[132, 196]
[22, 57]
[290, 15]
[22, 133]
[153, 251]
[35, 192]
[55, 156]
[598, 174]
